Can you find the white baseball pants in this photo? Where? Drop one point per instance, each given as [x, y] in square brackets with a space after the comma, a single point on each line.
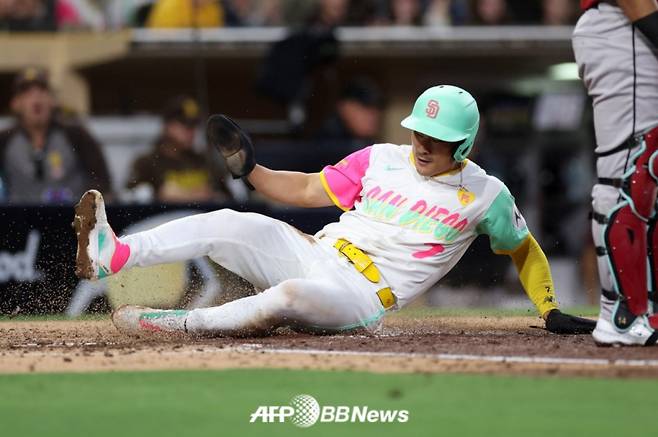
[308, 286]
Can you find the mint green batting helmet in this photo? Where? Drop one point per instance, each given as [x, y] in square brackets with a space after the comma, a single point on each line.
[447, 113]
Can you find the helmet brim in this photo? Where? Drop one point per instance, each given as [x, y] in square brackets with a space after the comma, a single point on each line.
[443, 133]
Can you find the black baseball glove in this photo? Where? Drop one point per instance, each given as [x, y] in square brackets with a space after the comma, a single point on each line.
[561, 323]
[233, 143]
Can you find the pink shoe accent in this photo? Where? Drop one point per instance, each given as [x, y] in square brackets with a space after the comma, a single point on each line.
[145, 324]
[120, 256]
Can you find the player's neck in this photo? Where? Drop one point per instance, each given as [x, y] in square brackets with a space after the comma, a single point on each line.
[453, 167]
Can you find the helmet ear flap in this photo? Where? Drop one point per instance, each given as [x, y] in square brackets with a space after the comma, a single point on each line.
[463, 150]
[457, 150]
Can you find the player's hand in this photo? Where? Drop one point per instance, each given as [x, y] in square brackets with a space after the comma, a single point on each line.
[561, 323]
[233, 143]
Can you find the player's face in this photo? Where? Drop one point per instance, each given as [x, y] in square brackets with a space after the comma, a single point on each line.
[431, 156]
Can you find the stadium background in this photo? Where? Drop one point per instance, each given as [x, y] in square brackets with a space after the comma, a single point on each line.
[117, 79]
[282, 68]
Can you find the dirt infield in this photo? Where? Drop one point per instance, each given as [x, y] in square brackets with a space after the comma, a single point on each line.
[509, 345]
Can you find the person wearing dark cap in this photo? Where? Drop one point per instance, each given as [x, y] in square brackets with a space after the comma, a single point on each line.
[173, 170]
[43, 158]
[357, 117]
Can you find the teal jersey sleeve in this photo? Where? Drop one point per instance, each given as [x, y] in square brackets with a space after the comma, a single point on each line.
[504, 224]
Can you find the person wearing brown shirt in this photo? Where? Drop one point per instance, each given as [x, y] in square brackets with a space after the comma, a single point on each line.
[175, 172]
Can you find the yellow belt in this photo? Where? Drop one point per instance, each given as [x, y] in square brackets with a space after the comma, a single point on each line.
[364, 265]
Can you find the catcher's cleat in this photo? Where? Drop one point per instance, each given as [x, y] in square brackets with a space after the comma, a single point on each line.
[639, 333]
[136, 320]
[100, 253]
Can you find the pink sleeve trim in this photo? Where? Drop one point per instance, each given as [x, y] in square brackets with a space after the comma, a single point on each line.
[343, 180]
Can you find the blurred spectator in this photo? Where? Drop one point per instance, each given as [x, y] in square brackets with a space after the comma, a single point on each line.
[405, 12]
[291, 64]
[186, 13]
[329, 14]
[79, 14]
[438, 13]
[253, 13]
[140, 14]
[28, 15]
[5, 13]
[357, 118]
[363, 13]
[66, 15]
[559, 12]
[174, 171]
[49, 15]
[490, 12]
[42, 158]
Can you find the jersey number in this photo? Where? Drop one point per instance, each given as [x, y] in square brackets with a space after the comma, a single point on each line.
[433, 250]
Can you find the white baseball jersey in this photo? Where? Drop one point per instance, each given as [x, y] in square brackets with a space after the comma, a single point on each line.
[416, 228]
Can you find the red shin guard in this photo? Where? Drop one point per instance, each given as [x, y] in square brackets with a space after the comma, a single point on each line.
[628, 239]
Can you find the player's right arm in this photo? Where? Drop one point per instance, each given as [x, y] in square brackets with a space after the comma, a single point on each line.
[644, 15]
[338, 184]
[290, 187]
[636, 9]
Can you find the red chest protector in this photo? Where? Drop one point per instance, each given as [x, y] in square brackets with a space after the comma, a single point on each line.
[587, 4]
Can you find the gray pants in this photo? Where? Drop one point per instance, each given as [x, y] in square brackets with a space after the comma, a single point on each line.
[619, 68]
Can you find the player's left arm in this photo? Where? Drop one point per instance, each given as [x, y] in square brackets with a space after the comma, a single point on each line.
[508, 234]
[535, 275]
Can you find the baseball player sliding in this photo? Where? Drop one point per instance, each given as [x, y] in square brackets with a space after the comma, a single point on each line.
[411, 212]
[616, 47]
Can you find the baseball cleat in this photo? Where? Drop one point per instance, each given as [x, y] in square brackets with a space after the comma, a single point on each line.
[100, 253]
[638, 334]
[136, 320]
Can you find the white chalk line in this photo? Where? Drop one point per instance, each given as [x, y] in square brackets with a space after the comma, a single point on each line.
[451, 357]
[515, 359]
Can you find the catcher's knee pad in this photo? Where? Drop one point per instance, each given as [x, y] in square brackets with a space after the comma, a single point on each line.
[640, 183]
[626, 233]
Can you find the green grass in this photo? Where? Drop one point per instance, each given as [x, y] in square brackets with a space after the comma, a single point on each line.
[219, 403]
